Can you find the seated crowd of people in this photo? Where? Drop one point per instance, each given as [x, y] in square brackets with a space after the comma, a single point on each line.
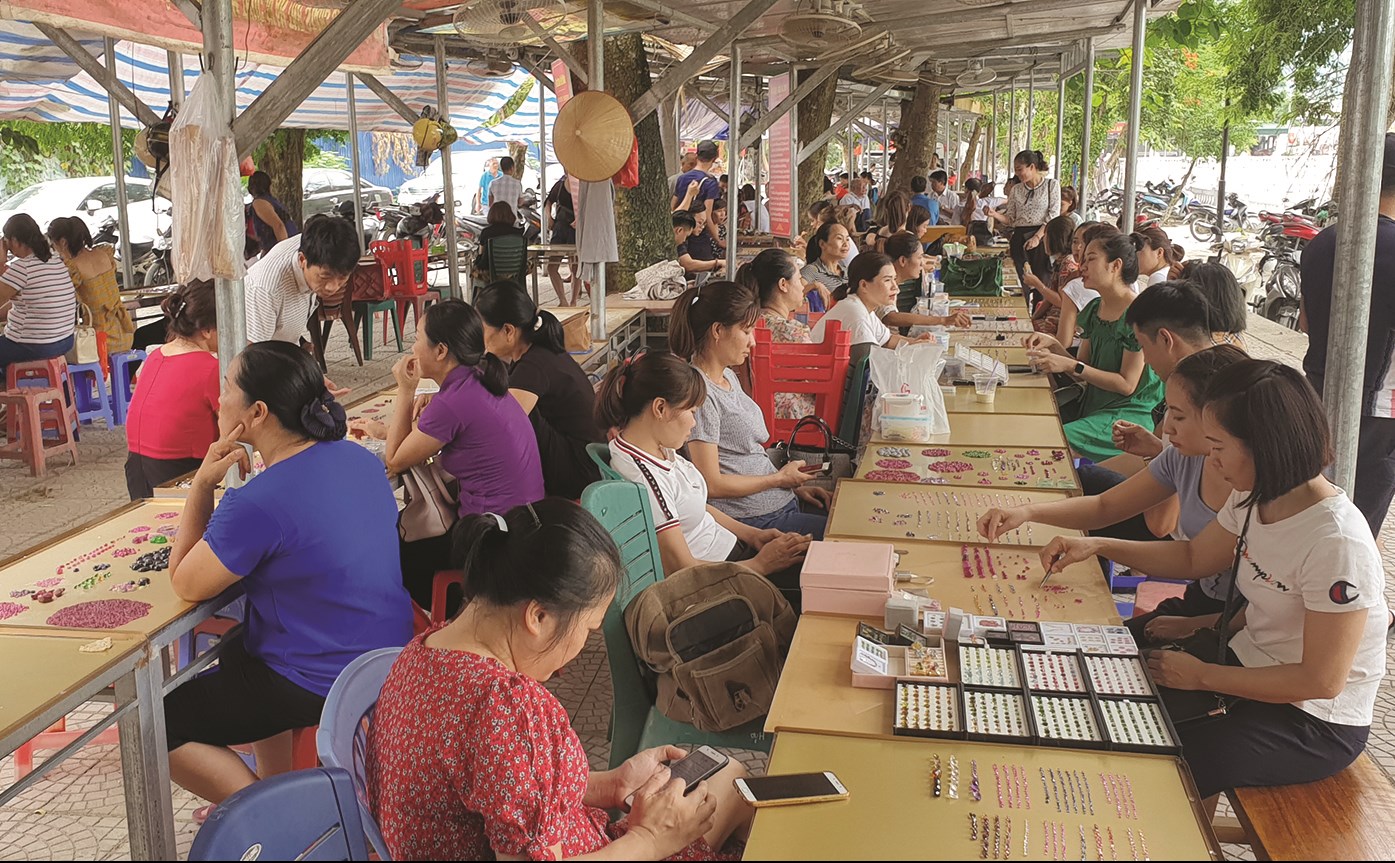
[1208, 467]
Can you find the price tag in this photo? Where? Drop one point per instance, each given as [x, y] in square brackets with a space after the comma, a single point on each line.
[874, 656]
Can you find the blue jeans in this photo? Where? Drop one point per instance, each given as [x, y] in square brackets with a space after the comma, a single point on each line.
[789, 518]
[18, 352]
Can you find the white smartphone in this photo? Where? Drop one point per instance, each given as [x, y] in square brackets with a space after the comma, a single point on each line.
[790, 789]
[702, 763]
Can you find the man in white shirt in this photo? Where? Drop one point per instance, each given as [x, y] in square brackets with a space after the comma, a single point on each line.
[947, 197]
[857, 195]
[282, 286]
[506, 187]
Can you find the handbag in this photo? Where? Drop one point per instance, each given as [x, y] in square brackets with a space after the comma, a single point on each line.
[432, 500]
[1208, 645]
[85, 348]
[836, 453]
[974, 276]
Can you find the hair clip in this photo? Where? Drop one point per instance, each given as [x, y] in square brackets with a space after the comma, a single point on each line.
[499, 520]
[537, 522]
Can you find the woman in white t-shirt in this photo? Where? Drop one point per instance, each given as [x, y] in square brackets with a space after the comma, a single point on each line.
[36, 283]
[871, 291]
[1074, 295]
[1156, 255]
[650, 401]
[1308, 651]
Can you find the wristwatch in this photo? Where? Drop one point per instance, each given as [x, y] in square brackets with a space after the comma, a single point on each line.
[1079, 368]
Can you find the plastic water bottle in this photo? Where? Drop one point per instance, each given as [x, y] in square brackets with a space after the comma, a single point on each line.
[939, 306]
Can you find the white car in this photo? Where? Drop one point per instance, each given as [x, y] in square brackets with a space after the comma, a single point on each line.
[466, 168]
[93, 199]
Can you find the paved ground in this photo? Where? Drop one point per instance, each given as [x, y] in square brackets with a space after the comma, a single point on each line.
[78, 811]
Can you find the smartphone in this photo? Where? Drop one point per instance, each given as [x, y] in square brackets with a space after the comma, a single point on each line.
[790, 789]
[817, 467]
[702, 763]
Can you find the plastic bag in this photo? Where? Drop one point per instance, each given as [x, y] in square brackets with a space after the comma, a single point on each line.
[208, 227]
[909, 376]
[628, 175]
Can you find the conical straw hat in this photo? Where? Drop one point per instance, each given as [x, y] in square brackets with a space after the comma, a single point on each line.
[593, 136]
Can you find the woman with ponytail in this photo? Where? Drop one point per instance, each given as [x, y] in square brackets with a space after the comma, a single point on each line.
[36, 284]
[174, 413]
[774, 277]
[470, 757]
[547, 383]
[312, 542]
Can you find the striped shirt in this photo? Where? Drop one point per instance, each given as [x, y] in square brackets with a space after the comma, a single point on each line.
[45, 302]
[278, 299]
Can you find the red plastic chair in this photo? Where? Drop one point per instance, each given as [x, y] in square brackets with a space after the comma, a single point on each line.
[820, 370]
[440, 591]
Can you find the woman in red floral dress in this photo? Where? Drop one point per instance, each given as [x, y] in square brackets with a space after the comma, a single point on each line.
[470, 758]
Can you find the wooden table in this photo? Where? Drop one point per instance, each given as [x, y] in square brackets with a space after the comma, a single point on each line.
[899, 512]
[44, 677]
[168, 619]
[625, 332]
[1008, 400]
[990, 430]
[891, 815]
[1019, 467]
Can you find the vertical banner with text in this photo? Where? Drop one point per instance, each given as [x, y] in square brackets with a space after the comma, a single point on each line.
[778, 187]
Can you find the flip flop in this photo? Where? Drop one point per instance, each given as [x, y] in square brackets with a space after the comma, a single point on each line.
[201, 814]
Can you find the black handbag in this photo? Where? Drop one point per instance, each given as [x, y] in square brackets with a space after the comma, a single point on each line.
[836, 453]
[1209, 645]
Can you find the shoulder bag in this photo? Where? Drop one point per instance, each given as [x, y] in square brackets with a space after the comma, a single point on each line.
[1209, 645]
[969, 276]
[836, 453]
[85, 336]
[432, 499]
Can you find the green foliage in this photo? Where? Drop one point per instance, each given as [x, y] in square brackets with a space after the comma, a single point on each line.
[33, 152]
[317, 158]
[1284, 57]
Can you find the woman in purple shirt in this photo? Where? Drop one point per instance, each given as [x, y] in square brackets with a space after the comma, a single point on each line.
[477, 431]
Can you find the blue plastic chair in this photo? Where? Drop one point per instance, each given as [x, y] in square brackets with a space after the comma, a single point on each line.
[124, 365]
[600, 454]
[343, 736]
[90, 392]
[302, 815]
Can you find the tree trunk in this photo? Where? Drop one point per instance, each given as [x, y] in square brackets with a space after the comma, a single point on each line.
[969, 160]
[518, 150]
[282, 157]
[1181, 187]
[920, 122]
[642, 224]
[815, 115]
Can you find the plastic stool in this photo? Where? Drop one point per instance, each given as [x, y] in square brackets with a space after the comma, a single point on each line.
[25, 421]
[418, 305]
[123, 382]
[51, 372]
[89, 382]
[370, 309]
[56, 737]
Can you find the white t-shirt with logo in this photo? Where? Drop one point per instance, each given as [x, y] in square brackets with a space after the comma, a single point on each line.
[677, 496]
[1322, 559]
[865, 327]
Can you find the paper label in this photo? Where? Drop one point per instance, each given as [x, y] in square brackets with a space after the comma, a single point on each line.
[873, 656]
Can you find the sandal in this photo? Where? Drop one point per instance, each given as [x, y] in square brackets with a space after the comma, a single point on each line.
[201, 814]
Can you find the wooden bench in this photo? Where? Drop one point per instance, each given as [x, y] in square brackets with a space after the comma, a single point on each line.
[1347, 817]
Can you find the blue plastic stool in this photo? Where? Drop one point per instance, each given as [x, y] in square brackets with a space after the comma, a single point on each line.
[302, 815]
[123, 382]
[89, 382]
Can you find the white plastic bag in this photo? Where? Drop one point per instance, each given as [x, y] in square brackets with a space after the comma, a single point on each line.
[209, 227]
[910, 370]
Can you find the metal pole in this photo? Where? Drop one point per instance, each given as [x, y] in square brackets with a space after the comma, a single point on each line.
[733, 155]
[1220, 186]
[452, 243]
[595, 69]
[1140, 28]
[1031, 106]
[992, 153]
[734, 207]
[1089, 110]
[175, 63]
[1012, 122]
[355, 168]
[886, 149]
[953, 167]
[228, 294]
[852, 166]
[542, 161]
[118, 160]
[1060, 126]
[796, 217]
[1362, 143]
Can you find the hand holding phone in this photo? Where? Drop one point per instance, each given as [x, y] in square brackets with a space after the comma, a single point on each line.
[670, 819]
[702, 763]
[790, 789]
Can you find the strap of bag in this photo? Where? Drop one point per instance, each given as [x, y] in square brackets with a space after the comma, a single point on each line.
[830, 440]
[1231, 606]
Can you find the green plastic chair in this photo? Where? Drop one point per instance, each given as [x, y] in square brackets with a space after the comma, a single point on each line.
[600, 454]
[635, 723]
[855, 399]
[366, 311]
[508, 258]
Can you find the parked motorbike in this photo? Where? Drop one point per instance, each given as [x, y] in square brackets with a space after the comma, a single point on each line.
[142, 256]
[421, 222]
[1203, 224]
[371, 227]
[161, 270]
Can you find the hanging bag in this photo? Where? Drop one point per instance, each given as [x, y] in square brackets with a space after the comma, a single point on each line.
[1209, 645]
[432, 503]
[836, 454]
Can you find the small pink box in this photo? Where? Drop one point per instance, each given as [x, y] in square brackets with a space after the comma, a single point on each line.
[848, 577]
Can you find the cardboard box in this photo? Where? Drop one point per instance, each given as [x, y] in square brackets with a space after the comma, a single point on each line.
[848, 577]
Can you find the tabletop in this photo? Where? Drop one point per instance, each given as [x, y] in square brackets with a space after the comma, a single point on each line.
[42, 666]
[1016, 467]
[1007, 400]
[931, 513]
[1158, 812]
[994, 431]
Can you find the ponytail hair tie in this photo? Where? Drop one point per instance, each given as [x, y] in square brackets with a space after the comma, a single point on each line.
[499, 520]
[537, 321]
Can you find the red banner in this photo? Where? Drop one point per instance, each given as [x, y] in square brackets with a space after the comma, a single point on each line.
[778, 187]
[266, 31]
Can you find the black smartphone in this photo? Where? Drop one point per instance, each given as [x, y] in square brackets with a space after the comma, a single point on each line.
[790, 789]
[702, 763]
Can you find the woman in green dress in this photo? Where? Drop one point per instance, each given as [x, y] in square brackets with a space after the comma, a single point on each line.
[1119, 385]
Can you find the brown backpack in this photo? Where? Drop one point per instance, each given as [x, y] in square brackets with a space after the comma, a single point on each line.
[713, 638]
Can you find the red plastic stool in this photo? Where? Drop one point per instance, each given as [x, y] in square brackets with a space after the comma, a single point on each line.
[440, 587]
[56, 737]
[29, 410]
[52, 372]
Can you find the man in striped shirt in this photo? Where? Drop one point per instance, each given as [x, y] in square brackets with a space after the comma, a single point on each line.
[282, 286]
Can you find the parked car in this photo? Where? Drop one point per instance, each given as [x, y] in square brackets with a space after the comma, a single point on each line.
[466, 168]
[93, 199]
[326, 188]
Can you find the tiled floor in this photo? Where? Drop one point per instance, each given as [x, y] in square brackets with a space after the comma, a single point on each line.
[77, 812]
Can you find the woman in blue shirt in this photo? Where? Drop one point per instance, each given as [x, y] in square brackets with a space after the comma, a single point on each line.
[313, 542]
